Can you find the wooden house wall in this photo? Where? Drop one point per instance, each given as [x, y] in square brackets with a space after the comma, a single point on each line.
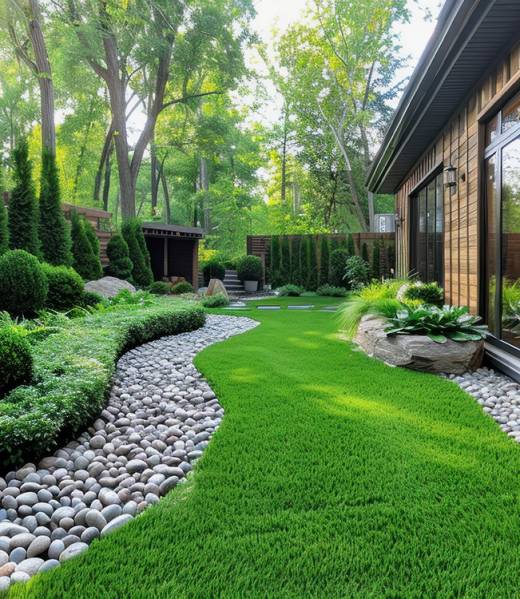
[460, 144]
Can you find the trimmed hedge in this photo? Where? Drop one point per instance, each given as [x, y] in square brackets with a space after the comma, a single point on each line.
[73, 369]
[23, 284]
[16, 364]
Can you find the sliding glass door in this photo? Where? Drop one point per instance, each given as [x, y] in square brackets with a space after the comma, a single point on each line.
[427, 227]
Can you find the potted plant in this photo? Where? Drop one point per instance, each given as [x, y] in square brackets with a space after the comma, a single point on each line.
[250, 271]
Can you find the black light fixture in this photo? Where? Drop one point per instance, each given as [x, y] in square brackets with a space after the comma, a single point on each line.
[450, 176]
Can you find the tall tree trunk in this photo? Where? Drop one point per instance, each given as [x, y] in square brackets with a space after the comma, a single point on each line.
[284, 160]
[166, 197]
[154, 183]
[105, 152]
[44, 74]
[83, 149]
[204, 187]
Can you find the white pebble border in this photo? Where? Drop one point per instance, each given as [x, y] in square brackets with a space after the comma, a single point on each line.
[498, 395]
[159, 418]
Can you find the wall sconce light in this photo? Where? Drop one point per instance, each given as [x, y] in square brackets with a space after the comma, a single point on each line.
[398, 221]
[450, 176]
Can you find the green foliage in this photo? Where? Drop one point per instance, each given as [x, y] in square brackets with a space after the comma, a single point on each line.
[285, 259]
[351, 248]
[23, 284]
[182, 287]
[296, 261]
[4, 230]
[425, 293]
[357, 272]
[213, 269]
[84, 261]
[91, 298]
[23, 209]
[65, 287]
[338, 262]
[16, 363]
[133, 234]
[439, 324]
[312, 261]
[290, 290]
[364, 253]
[120, 265]
[376, 260]
[215, 301]
[97, 269]
[331, 291]
[160, 288]
[54, 232]
[249, 268]
[274, 263]
[324, 260]
[73, 368]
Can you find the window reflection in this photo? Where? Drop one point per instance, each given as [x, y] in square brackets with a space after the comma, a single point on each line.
[491, 241]
[511, 114]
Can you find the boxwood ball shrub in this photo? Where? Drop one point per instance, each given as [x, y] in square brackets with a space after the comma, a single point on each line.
[213, 269]
[182, 287]
[16, 363]
[23, 284]
[160, 288]
[249, 268]
[65, 287]
[72, 370]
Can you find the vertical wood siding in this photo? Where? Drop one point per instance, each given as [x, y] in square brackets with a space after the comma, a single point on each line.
[460, 144]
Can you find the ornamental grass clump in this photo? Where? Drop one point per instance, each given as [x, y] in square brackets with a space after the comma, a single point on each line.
[439, 324]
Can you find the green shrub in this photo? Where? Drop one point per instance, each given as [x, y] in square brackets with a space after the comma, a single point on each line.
[4, 231]
[376, 260]
[426, 293]
[296, 261]
[65, 287]
[357, 272]
[54, 231]
[230, 263]
[215, 301]
[23, 284]
[290, 290]
[324, 260]
[274, 262]
[90, 232]
[213, 269]
[351, 248]
[133, 234]
[182, 287]
[160, 288]
[16, 363]
[84, 262]
[23, 208]
[120, 265]
[331, 291]
[338, 262]
[72, 370]
[285, 260]
[249, 268]
[364, 253]
[439, 324]
[91, 298]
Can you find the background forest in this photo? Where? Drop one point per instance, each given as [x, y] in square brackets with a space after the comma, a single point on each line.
[152, 109]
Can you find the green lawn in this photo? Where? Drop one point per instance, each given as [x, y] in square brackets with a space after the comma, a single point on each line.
[331, 476]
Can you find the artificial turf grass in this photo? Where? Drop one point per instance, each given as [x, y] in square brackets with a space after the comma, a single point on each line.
[331, 476]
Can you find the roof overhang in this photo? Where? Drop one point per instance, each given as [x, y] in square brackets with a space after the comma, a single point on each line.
[172, 231]
[470, 37]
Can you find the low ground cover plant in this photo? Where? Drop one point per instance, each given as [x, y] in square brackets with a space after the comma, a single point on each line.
[182, 287]
[72, 369]
[218, 300]
[290, 290]
[331, 291]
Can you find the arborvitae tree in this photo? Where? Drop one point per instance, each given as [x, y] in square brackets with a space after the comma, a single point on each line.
[23, 210]
[285, 261]
[4, 231]
[351, 248]
[141, 274]
[90, 232]
[120, 265]
[296, 274]
[376, 260]
[324, 260]
[338, 262]
[364, 253]
[274, 262]
[54, 232]
[390, 259]
[139, 235]
[83, 260]
[312, 279]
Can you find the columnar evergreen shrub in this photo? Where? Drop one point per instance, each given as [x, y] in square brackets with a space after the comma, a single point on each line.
[338, 262]
[351, 248]
[54, 232]
[324, 260]
[90, 232]
[4, 231]
[16, 363]
[312, 277]
[213, 269]
[376, 260]
[296, 270]
[65, 287]
[364, 252]
[23, 284]
[141, 272]
[274, 262]
[120, 265]
[285, 260]
[23, 210]
[84, 261]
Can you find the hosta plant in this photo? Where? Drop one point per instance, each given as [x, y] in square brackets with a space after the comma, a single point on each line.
[439, 324]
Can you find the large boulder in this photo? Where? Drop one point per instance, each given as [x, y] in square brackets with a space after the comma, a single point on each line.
[109, 286]
[417, 352]
[216, 286]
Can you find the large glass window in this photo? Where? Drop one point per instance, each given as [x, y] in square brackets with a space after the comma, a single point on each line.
[502, 171]
[427, 232]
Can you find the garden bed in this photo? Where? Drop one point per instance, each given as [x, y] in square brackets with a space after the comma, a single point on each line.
[73, 367]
